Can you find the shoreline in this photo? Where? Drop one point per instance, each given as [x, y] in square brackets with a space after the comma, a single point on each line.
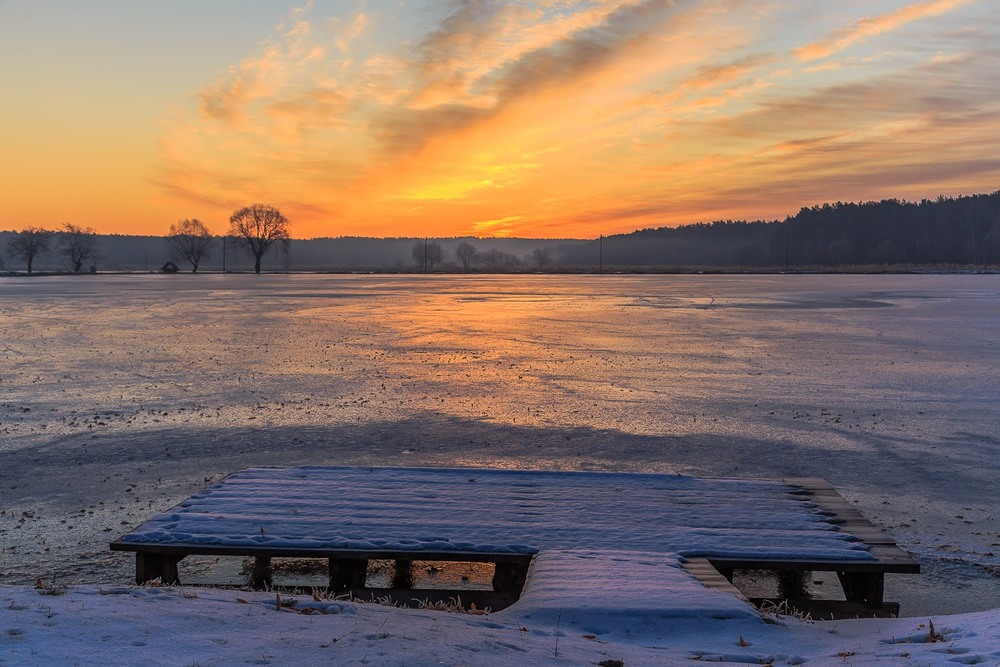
[166, 626]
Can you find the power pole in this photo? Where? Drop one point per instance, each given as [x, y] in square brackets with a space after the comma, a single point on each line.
[425, 254]
[786, 249]
[602, 254]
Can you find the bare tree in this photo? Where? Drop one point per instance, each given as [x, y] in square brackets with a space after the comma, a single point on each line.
[78, 244]
[496, 260]
[29, 243]
[191, 241]
[427, 253]
[466, 253]
[256, 228]
[541, 256]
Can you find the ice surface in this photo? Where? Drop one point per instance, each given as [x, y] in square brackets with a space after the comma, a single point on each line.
[500, 511]
[120, 396]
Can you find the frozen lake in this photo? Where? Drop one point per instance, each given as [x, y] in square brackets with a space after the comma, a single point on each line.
[122, 395]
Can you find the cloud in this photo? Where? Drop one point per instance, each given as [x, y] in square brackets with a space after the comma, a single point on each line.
[578, 117]
[345, 38]
[227, 100]
[558, 66]
[408, 130]
[566, 62]
[868, 27]
[498, 227]
[707, 76]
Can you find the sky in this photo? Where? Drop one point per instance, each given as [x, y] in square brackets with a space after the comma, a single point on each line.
[545, 119]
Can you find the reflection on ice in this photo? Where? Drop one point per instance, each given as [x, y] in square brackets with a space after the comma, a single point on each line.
[123, 394]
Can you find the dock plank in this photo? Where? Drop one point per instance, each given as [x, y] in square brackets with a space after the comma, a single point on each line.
[352, 515]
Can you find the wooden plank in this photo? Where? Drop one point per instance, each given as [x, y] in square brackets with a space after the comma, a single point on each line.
[152, 567]
[510, 577]
[260, 578]
[711, 577]
[346, 573]
[863, 588]
[292, 552]
[848, 519]
[872, 566]
[862, 579]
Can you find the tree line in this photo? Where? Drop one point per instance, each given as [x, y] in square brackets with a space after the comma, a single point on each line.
[255, 229]
[944, 231]
[960, 231]
[428, 254]
[76, 244]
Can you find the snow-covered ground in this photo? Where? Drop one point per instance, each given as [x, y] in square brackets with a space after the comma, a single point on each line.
[116, 625]
[122, 395]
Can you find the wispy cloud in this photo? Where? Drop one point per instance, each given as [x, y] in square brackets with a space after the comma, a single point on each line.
[498, 227]
[578, 117]
[868, 27]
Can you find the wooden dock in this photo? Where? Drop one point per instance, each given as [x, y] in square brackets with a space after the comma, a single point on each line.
[863, 584]
[350, 516]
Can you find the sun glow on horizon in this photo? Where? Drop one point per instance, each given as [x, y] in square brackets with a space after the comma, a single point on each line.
[554, 119]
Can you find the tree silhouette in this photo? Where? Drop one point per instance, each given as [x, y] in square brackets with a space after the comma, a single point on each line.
[78, 244]
[466, 253]
[541, 256]
[496, 260]
[256, 228]
[29, 243]
[427, 254]
[191, 241]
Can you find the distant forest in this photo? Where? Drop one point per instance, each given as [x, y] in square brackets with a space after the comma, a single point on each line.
[961, 232]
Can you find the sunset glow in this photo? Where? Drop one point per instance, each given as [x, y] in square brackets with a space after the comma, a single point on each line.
[557, 118]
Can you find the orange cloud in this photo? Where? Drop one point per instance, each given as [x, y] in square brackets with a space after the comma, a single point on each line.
[573, 118]
[876, 25]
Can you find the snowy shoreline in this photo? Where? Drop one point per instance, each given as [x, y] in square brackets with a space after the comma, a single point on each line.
[93, 625]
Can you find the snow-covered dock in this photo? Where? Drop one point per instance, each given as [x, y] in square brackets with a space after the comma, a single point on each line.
[351, 515]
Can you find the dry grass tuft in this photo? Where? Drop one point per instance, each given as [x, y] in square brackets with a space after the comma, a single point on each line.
[50, 589]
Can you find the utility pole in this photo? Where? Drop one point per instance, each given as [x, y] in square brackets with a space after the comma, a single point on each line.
[786, 248]
[425, 254]
[602, 254]
[223, 254]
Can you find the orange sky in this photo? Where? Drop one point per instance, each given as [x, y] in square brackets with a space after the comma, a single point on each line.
[559, 118]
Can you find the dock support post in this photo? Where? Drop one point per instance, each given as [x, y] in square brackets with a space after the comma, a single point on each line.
[792, 584]
[867, 588]
[151, 566]
[260, 577]
[509, 577]
[347, 573]
[402, 576]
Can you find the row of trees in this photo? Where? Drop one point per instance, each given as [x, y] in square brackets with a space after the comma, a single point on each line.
[256, 229]
[953, 231]
[427, 254]
[77, 244]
